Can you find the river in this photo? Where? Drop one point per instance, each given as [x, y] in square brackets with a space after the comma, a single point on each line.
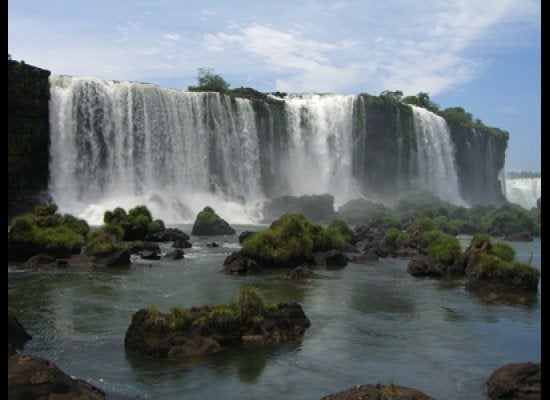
[369, 324]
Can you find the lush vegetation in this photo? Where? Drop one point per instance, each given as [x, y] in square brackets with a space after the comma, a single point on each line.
[207, 217]
[292, 239]
[46, 231]
[363, 211]
[209, 81]
[496, 262]
[248, 308]
[136, 224]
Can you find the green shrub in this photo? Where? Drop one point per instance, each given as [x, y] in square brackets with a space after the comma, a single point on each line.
[137, 223]
[339, 229]
[46, 232]
[504, 251]
[492, 267]
[443, 247]
[222, 318]
[361, 211]
[250, 303]
[105, 240]
[179, 318]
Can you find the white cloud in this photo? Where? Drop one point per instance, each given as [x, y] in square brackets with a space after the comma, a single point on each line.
[174, 37]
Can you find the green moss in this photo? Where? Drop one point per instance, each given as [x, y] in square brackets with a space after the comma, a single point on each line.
[249, 304]
[223, 318]
[45, 231]
[395, 238]
[179, 318]
[492, 267]
[443, 247]
[105, 240]
[504, 251]
[207, 216]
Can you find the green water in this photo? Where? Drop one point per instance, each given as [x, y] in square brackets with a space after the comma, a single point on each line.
[370, 324]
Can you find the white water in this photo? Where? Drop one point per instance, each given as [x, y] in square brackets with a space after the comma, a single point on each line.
[125, 144]
[435, 161]
[523, 191]
[122, 144]
[320, 156]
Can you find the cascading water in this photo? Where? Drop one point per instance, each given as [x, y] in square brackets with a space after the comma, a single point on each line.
[523, 191]
[320, 131]
[123, 144]
[434, 166]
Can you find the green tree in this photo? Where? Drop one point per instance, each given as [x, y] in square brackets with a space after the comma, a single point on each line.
[209, 81]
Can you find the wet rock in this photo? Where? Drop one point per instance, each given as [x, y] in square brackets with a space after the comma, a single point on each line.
[521, 381]
[17, 335]
[238, 263]
[378, 392]
[175, 255]
[300, 272]
[38, 378]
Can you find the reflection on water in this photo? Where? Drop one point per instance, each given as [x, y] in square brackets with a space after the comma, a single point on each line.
[370, 324]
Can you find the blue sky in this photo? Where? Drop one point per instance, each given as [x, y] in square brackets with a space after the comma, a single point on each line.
[482, 55]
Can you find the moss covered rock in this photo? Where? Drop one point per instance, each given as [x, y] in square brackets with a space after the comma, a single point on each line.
[187, 333]
[208, 223]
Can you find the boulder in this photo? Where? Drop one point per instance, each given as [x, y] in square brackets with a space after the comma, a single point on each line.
[300, 272]
[431, 267]
[336, 258]
[167, 235]
[378, 392]
[521, 381]
[208, 223]
[208, 330]
[523, 236]
[238, 263]
[182, 244]
[17, 335]
[38, 378]
[41, 261]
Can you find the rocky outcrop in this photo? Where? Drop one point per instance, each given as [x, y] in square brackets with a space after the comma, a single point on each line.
[208, 223]
[45, 262]
[378, 392]
[28, 137]
[300, 272]
[17, 335]
[200, 331]
[431, 267]
[521, 381]
[37, 378]
[238, 263]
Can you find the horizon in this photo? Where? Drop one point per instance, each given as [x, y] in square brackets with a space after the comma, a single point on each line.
[484, 57]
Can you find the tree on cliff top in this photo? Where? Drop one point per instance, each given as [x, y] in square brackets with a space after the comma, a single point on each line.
[209, 81]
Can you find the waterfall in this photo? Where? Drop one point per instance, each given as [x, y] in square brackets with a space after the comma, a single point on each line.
[320, 131]
[523, 191]
[124, 144]
[434, 166]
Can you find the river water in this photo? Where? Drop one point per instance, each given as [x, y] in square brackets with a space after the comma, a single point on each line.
[369, 324]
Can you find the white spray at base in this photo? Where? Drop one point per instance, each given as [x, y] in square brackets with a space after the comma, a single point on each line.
[523, 191]
[123, 144]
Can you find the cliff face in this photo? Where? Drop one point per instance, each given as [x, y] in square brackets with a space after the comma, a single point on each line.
[480, 157]
[28, 136]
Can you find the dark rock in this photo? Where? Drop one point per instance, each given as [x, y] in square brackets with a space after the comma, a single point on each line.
[524, 236]
[175, 255]
[40, 261]
[120, 258]
[336, 258]
[284, 323]
[149, 255]
[38, 378]
[245, 235]
[238, 263]
[300, 272]
[17, 335]
[406, 252]
[429, 266]
[378, 392]
[182, 244]
[212, 244]
[167, 235]
[138, 247]
[208, 223]
[520, 381]
[82, 261]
